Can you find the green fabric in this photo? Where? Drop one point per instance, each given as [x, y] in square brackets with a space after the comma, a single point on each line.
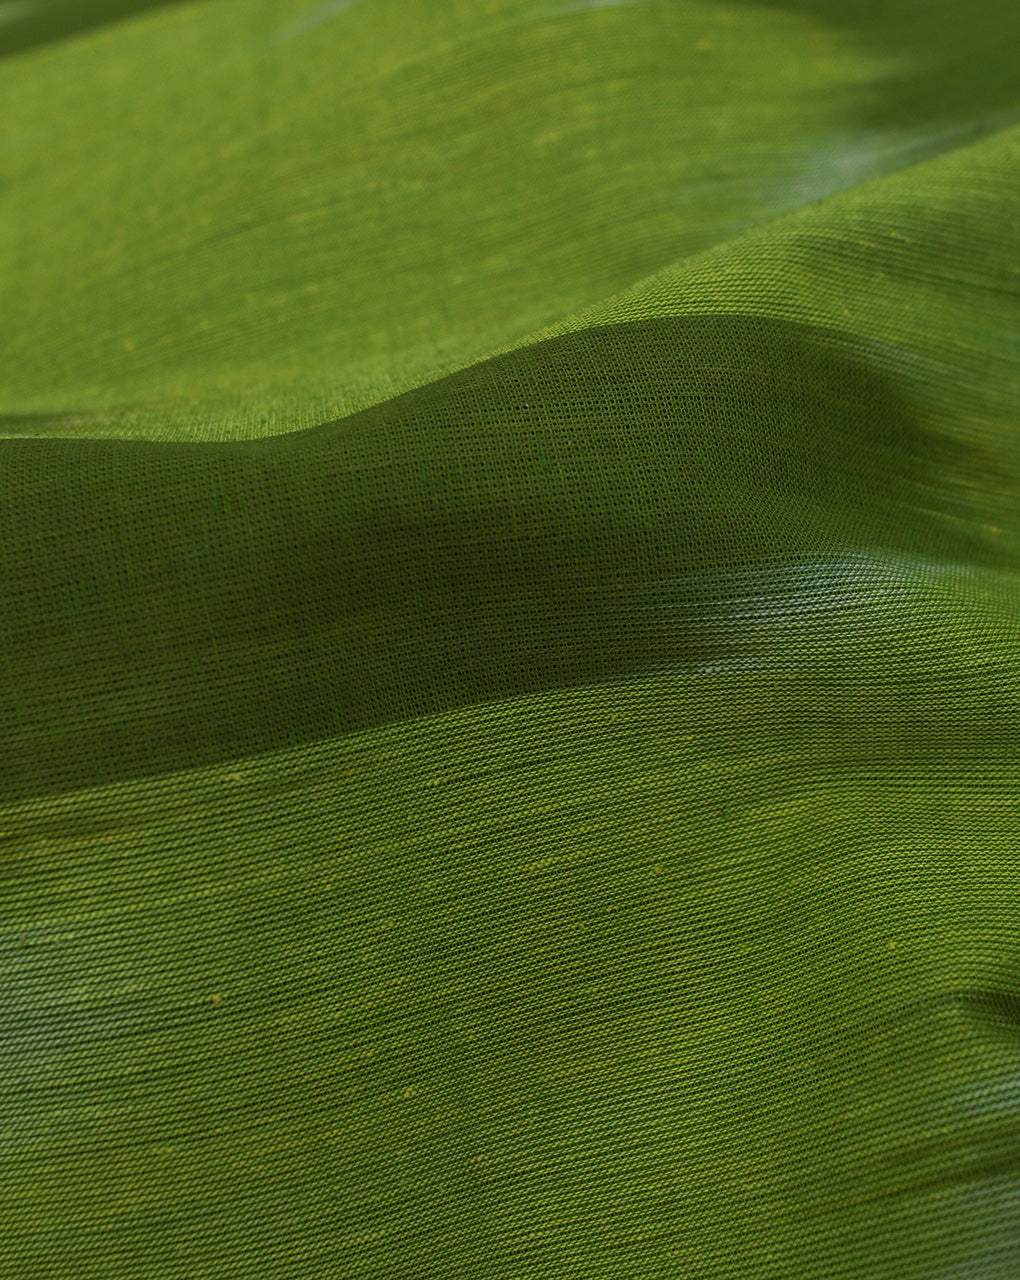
[510, 639]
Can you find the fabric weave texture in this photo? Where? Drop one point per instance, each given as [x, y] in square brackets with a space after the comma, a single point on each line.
[509, 639]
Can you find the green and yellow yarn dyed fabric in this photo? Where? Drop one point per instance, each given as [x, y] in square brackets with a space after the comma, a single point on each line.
[509, 640]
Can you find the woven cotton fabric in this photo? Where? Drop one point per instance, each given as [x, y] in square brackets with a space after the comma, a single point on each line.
[509, 640]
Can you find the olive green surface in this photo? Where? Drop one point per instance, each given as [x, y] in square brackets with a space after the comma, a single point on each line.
[509, 640]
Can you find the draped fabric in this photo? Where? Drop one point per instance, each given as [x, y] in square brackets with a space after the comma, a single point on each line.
[509, 639]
